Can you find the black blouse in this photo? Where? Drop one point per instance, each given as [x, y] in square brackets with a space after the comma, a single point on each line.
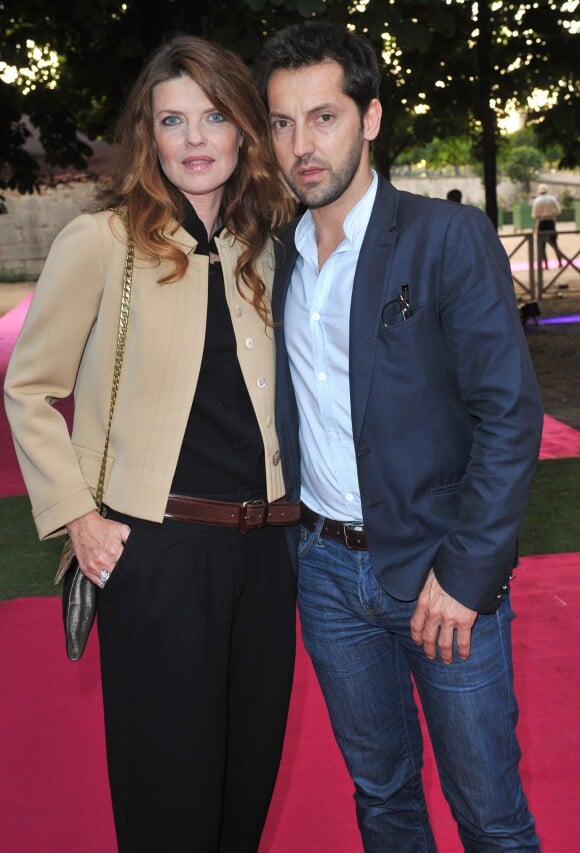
[222, 455]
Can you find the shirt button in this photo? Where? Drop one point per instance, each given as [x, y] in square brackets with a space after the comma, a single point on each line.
[238, 311]
[316, 316]
[268, 421]
[249, 343]
[322, 376]
[349, 496]
[261, 383]
[276, 458]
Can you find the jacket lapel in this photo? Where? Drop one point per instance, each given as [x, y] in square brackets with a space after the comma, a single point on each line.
[370, 292]
[286, 254]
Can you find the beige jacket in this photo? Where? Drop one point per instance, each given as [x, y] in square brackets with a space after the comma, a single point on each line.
[68, 343]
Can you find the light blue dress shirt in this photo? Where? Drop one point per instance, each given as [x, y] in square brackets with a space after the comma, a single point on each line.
[316, 321]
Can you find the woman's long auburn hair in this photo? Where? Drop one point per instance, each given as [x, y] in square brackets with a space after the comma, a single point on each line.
[256, 199]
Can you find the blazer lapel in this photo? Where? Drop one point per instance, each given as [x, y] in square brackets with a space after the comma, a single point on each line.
[286, 254]
[370, 292]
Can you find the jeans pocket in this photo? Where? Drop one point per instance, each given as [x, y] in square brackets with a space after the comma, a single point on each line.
[306, 540]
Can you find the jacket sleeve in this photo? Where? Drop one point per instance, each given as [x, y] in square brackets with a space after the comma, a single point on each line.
[43, 370]
[497, 385]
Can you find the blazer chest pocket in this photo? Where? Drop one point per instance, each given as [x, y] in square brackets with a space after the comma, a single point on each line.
[395, 318]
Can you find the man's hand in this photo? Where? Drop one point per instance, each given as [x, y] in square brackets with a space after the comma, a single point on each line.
[436, 618]
[97, 543]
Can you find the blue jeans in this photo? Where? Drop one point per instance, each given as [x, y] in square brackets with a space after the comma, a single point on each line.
[359, 640]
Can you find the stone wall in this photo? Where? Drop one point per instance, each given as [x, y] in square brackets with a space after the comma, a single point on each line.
[438, 187]
[32, 222]
[471, 187]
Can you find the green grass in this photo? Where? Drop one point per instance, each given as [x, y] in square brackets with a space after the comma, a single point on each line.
[27, 566]
[551, 526]
[552, 521]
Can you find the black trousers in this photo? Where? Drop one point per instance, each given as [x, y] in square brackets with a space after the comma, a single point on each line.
[547, 234]
[197, 637]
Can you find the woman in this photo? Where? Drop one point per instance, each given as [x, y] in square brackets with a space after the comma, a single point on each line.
[196, 608]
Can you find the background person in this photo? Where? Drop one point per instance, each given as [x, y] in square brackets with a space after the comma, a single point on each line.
[545, 210]
[196, 622]
[455, 195]
[411, 427]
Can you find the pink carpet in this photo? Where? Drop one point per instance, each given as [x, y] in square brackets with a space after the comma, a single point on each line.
[559, 440]
[521, 266]
[53, 786]
[11, 482]
[10, 325]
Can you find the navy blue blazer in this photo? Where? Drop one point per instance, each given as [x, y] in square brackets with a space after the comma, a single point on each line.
[446, 411]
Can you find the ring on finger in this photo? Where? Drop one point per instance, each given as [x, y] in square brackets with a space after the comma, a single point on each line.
[103, 577]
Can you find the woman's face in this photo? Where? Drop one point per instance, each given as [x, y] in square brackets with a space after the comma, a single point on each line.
[197, 146]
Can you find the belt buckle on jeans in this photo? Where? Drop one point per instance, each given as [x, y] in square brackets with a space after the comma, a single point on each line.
[250, 519]
[348, 529]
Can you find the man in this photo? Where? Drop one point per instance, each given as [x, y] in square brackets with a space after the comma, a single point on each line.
[545, 209]
[402, 366]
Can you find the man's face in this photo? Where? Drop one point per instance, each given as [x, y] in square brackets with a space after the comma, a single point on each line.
[319, 138]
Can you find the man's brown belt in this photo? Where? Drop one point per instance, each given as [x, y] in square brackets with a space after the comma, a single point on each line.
[347, 533]
[245, 516]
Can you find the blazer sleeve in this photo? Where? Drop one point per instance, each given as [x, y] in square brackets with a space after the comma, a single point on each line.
[498, 387]
[44, 365]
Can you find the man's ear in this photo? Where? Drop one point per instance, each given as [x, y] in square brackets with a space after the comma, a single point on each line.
[372, 120]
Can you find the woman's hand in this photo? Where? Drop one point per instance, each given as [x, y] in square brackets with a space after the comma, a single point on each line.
[98, 544]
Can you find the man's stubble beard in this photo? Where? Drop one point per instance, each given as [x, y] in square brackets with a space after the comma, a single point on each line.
[340, 180]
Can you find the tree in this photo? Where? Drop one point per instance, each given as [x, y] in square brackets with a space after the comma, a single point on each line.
[483, 109]
[69, 61]
[451, 154]
[560, 126]
[450, 67]
[523, 164]
[459, 66]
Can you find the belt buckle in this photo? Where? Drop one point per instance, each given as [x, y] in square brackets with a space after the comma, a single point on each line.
[256, 520]
[348, 529]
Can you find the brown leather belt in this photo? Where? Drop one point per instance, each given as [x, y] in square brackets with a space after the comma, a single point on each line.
[244, 516]
[346, 532]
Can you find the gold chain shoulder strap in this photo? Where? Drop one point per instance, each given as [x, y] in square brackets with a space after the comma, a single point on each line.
[120, 349]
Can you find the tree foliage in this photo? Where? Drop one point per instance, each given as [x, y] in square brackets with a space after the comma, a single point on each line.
[523, 164]
[451, 68]
[455, 68]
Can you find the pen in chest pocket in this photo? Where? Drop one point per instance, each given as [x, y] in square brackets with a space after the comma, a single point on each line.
[405, 304]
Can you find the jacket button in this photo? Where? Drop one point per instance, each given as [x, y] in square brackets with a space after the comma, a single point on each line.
[276, 458]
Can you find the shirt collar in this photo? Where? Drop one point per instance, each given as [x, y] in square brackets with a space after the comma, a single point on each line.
[195, 227]
[354, 226]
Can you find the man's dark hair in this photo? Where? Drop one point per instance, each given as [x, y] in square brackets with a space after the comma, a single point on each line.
[313, 42]
[455, 195]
